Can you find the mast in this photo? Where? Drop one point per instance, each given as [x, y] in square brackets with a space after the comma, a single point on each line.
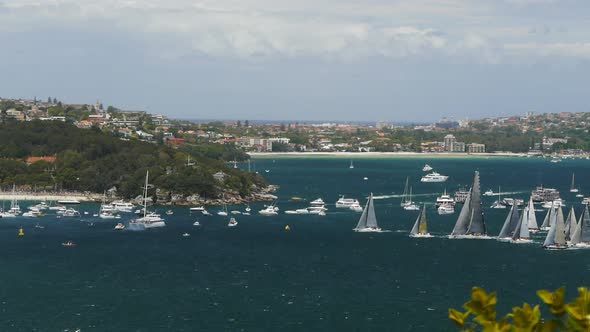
[145, 193]
[405, 194]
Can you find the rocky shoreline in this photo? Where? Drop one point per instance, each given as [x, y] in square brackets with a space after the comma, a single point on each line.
[229, 197]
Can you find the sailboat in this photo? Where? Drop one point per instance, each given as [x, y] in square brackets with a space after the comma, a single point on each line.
[549, 219]
[573, 188]
[570, 224]
[224, 211]
[149, 220]
[521, 233]
[510, 224]
[351, 165]
[407, 203]
[531, 217]
[232, 222]
[368, 220]
[581, 234]
[420, 228]
[555, 239]
[498, 204]
[471, 224]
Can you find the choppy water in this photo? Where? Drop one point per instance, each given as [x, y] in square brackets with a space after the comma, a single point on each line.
[258, 277]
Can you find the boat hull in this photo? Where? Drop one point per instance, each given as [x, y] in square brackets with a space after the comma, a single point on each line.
[427, 235]
[470, 237]
[368, 230]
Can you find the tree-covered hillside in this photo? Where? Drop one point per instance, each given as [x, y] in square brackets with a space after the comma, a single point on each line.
[92, 160]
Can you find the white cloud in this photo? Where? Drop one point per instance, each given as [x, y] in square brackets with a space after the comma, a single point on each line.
[254, 29]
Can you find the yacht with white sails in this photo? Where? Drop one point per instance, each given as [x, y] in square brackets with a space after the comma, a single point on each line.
[368, 221]
[555, 239]
[407, 202]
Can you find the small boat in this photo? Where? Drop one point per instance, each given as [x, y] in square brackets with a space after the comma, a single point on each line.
[573, 188]
[427, 168]
[489, 192]
[39, 226]
[287, 228]
[197, 209]
[232, 222]
[68, 201]
[346, 202]
[555, 203]
[521, 232]
[498, 204]
[555, 239]
[368, 221]
[510, 224]
[85, 213]
[268, 211]
[445, 209]
[236, 212]
[434, 177]
[169, 212]
[556, 160]
[579, 195]
[222, 213]
[246, 213]
[205, 212]
[68, 244]
[445, 199]
[150, 219]
[197, 223]
[351, 165]
[248, 208]
[267, 170]
[21, 232]
[406, 202]
[186, 235]
[365, 178]
[356, 208]
[119, 226]
[420, 228]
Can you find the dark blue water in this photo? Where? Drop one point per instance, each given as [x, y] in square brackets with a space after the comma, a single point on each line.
[258, 277]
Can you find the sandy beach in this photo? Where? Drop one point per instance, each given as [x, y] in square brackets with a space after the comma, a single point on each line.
[385, 154]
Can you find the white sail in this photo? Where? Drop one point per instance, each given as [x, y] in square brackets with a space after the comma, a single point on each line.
[471, 220]
[368, 219]
[416, 226]
[510, 223]
[576, 234]
[570, 223]
[405, 194]
[522, 229]
[532, 219]
[463, 220]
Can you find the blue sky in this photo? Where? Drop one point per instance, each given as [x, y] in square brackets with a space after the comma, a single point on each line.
[395, 60]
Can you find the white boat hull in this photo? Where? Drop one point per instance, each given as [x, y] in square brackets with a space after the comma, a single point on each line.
[368, 230]
[521, 241]
[470, 237]
[427, 235]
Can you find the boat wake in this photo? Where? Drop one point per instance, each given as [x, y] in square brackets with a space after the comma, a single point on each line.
[400, 196]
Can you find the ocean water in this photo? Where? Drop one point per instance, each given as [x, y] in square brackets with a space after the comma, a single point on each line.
[318, 276]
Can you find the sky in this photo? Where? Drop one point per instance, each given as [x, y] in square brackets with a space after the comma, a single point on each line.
[344, 60]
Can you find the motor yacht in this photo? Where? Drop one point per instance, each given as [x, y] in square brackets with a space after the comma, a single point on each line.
[434, 177]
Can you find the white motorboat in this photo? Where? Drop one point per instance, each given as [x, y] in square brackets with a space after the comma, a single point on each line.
[356, 208]
[32, 214]
[248, 208]
[445, 199]
[427, 168]
[57, 208]
[445, 209]
[120, 227]
[108, 215]
[197, 223]
[268, 211]
[346, 202]
[205, 213]
[197, 209]
[122, 206]
[236, 212]
[434, 177]
[169, 212]
[489, 192]
[508, 201]
[69, 212]
[186, 235]
[222, 213]
[555, 203]
[232, 222]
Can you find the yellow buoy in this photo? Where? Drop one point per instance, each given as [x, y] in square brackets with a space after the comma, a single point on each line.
[21, 232]
[287, 228]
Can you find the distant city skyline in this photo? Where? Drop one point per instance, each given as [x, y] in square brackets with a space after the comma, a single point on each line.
[397, 61]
